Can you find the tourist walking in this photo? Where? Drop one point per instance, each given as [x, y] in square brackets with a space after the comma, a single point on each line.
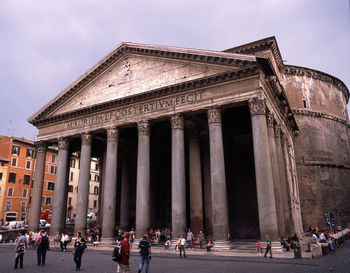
[19, 250]
[190, 238]
[42, 244]
[145, 253]
[201, 238]
[268, 246]
[78, 250]
[125, 251]
[64, 241]
[182, 245]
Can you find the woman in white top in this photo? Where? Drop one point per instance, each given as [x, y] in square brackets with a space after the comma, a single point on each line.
[19, 250]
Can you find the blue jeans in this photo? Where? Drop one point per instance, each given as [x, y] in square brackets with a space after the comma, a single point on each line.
[182, 248]
[41, 254]
[144, 259]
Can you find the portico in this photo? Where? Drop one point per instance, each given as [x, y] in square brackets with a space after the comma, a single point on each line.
[186, 140]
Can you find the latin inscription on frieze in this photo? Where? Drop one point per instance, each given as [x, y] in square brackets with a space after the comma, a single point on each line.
[140, 109]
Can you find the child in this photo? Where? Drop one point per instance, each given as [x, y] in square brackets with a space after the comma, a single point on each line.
[258, 247]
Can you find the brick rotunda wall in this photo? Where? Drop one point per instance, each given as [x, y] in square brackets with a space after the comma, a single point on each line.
[323, 145]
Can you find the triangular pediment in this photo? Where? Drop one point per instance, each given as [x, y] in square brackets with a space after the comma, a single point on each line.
[133, 69]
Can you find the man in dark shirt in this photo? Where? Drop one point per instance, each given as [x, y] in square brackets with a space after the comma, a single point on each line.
[268, 246]
[145, 252]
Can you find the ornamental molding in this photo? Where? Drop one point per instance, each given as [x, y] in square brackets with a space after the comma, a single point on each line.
[277, 130]
[143, 128]
[112, 134]
[317, 75]
[63, 143]
[270, 119]
[214, 115]
[86, 138]
[41, 120]
[257, 106]
[41, 146]
[330, 163]
[177, 122]
[314, 114]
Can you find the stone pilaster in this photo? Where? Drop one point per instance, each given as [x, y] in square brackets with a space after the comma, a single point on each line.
[178, 179]
[83, 183]
[196, 200]
[110, 186]
[143, 179]
[59, 207]
[35, 206]
[124, 199]
[218, 179]
[275, 173]
[263, 169]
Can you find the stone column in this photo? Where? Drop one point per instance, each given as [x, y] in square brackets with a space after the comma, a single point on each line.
[218, 179]
[59, 207]
[35, 206]
[283, 180]
[263, 170]
[196, 200]
[110, 186]
[124, 202]
[143, 180]
[83, 183]
[207, 189]
[178, 178]
[275, 174]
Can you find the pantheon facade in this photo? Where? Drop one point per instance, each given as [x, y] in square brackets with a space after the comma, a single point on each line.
[234, 143]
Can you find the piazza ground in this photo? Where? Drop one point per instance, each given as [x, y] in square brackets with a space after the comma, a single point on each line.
[95, 260]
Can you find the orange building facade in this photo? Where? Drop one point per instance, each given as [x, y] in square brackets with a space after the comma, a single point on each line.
[17, 163]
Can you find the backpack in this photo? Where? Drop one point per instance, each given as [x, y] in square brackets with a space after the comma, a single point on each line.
[117, 253]
[45, 241]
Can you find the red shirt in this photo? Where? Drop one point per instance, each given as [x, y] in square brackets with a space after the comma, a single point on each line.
[125, 252]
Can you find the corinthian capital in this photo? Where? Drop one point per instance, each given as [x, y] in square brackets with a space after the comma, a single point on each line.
[143, 127]
[270, 119]
[63, 143]
[41, 146]
[177, 122]
[112, 133]
[257, 106]
[86, 138]
[214, 115]
[277, 129]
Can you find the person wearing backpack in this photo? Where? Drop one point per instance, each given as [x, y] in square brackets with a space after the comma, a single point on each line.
[79, 247]
[121, 254]
[42, 244]
[145, 252]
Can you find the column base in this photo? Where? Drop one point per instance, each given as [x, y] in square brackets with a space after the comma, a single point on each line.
[221, 245]
[108, 242]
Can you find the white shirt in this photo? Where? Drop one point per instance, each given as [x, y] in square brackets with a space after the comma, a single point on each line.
[182, 241]
[322, 237]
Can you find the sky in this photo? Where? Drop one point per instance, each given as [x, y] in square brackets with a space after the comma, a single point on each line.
[47, 44]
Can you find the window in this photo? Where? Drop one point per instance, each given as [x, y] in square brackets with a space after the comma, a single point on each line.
[30, 199]
[304, 104]
[53, 158]
[78, 163]
[50, 186]
[95, 190]
[14, 162]
[97, 178]
[69, 201]
[12, 177]
[28, 164]
[26, 179]
[70, 188]
[52, 169]
[31, 185]
[10, 192]
[15, 150]
[72, 163]
[90, 176]
[71, 176]
[48, 201]
[42, 200]
[95, 203]
[96, 167]
[0, 176]
[30, 153]
[25, 191]
[8, 205]
[23, 206]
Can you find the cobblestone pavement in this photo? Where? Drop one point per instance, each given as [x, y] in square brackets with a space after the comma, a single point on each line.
[167, 262]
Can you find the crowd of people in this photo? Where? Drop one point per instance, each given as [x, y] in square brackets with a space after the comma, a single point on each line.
[323, 236]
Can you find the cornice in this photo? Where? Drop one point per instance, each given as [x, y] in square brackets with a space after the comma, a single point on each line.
[317, 75]
[156, 93]
[320, 115]
[326, 163]
[201, 56]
